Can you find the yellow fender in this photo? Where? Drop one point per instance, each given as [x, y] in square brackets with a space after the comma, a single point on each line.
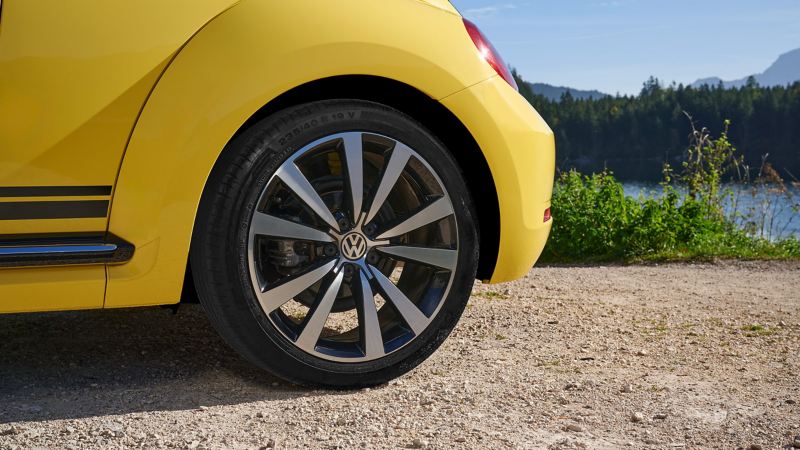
[235, 65]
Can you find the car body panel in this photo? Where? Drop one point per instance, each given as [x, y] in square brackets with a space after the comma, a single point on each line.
[444, 5]
[168, 104]
[215, 84]
[52, 289]
[73, 78]
[520, 150]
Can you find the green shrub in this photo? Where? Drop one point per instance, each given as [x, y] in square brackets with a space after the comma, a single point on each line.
[596, 221]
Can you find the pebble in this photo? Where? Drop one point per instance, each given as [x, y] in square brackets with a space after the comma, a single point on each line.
[460, 439]
[10, 431]
[574, 428]
[637, 417]
[642, 353]
[419, 443]
[755, 447]
[627, 389]
[660, 416]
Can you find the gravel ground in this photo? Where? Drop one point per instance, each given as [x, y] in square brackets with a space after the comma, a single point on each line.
[671, 356]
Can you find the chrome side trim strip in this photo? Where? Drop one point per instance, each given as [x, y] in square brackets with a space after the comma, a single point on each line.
[46, 249]
[70, 249]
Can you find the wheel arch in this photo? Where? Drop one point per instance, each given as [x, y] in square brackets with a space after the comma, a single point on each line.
[431, 114]
[434, 116]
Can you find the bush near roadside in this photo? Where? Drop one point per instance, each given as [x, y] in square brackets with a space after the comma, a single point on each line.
[596, 221]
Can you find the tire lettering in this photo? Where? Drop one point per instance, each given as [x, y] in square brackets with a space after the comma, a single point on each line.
[323, 119]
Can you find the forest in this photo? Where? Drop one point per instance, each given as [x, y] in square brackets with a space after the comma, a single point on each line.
[633, 136]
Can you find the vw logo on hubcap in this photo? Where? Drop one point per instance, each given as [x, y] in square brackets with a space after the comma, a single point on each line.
[354, 245]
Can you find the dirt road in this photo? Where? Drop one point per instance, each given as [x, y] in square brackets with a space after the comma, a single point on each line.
[674, 356]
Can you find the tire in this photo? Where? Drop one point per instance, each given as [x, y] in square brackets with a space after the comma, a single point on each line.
[260, 236]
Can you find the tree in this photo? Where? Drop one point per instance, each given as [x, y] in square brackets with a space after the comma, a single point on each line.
[634, 135]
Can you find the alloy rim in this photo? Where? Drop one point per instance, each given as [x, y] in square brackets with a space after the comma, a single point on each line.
[353, 247]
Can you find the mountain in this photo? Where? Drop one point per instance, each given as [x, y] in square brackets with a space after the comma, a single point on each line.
[555, 92]
[785, 70]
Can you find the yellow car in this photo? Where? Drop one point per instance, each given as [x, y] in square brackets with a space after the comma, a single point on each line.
[328, 178]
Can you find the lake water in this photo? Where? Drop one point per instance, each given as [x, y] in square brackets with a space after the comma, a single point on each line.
[779, 210]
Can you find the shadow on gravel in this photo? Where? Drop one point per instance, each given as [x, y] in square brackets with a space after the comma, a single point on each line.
[93, 363]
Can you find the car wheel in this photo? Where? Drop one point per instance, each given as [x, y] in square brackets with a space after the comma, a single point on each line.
[335, 244]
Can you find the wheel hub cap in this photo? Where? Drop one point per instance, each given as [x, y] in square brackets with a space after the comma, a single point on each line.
[354, 246]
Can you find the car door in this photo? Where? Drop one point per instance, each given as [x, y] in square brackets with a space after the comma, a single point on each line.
[74, 76]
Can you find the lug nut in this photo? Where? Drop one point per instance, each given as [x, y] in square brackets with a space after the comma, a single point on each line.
[348, 270]
[370, 229]
[373, 257]
[343, 224]
[329, 250]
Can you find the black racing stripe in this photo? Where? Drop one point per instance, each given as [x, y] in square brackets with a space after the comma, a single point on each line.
[53, 191]
[53, 210]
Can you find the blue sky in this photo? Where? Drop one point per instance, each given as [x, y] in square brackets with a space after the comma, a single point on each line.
[614, 45]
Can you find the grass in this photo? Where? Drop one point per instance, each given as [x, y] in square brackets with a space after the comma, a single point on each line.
[756, 330]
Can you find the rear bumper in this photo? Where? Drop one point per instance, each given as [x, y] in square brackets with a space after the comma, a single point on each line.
[520, 150]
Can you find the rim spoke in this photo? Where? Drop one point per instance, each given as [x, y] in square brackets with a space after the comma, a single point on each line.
[435, 211]
[276, 297]
[353, 150]
[438, 257]
[397, 162]
[317, 317]
[298, 183]
[268, 225]
[368, 320]
[411, 314]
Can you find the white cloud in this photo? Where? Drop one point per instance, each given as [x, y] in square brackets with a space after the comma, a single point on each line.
[489, 10]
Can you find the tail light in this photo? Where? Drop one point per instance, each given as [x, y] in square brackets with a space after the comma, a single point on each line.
[489, 53]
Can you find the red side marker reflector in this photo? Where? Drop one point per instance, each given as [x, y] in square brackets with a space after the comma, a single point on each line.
[547, 215]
